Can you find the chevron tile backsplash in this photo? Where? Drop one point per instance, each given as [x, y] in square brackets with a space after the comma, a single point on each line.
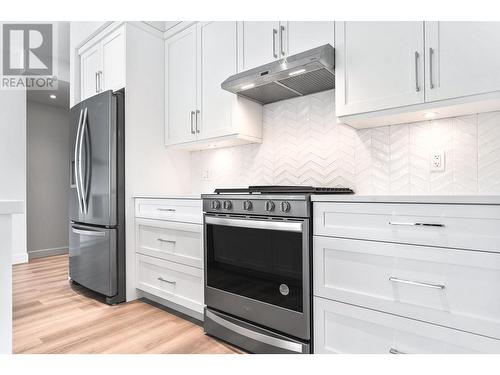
[303, 144]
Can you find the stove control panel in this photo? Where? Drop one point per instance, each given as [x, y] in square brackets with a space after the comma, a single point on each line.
[265, 206]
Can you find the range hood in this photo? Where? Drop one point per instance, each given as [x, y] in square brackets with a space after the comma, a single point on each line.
[301, 74]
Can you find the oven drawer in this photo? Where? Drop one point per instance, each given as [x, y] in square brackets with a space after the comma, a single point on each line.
[475, 227]
[184, 210]
[169, 240]
[172, 281]
[454, 288]
[343, 328]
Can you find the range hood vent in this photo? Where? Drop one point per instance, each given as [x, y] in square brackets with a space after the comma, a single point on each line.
[301, 74]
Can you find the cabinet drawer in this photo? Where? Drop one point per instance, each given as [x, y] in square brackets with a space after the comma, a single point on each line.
[172, 281]
[170, 240]
[454, 288]
[343, 328]
[474, 227]
[184, 210]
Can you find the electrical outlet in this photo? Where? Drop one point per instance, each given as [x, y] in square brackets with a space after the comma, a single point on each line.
[438, 161]
[206, 175]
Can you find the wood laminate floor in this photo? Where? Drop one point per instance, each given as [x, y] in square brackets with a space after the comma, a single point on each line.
[52, 316]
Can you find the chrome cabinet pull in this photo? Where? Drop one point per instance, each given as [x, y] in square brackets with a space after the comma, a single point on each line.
[166, 281]
[96, 79]
[282, 47]
[275, 33]
[197, 120]
[164, 240]
[410, 224]
[431, 79]
[417, 87]
[192, 122]
[99, 74]
[166, 209]
[395, 351]
[418, 283]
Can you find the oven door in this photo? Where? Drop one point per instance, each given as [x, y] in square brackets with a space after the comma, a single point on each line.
[258, 270]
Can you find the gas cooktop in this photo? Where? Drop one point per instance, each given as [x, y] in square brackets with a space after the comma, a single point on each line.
[281, 189]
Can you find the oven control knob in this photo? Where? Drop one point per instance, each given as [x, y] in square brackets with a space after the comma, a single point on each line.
[247, 205]
[228, 205]
[285, 206]
[215, 204]
[269, 206]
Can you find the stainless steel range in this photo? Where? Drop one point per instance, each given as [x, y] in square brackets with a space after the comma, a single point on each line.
[258, 278]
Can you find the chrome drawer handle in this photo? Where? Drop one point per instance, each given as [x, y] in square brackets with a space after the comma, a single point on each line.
[418, 283]
[163, 240]
[166, 209]
[395, 351]
[409, 224]
[165, 280]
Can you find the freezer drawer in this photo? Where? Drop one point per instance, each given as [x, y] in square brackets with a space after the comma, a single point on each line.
[93, 258]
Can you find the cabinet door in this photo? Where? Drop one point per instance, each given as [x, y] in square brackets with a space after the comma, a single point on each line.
[260, 43]
[90, 65]
[217, 53]
[304, 35]
[462, 58]
[180, 84]
[113, 61]
[379, 65]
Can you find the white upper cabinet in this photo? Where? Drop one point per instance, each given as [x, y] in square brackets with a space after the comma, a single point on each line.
[218, 53]
[260, 43]
[304, 35]
[198, 112]
[90, 65]
[102, 64]
[462, 59]
[378, 65]
[180, 84]
[113, 61]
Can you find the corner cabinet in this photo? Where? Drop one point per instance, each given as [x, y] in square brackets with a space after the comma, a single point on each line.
[102, 64]
[396, 72]
[198, 113]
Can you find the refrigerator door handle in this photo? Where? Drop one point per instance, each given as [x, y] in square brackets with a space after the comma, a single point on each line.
[80, 166]
[76, 165]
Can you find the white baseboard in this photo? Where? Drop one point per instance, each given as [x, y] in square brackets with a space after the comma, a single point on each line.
[42, 253]
[19, 258]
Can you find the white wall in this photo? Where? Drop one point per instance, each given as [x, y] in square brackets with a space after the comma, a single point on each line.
[149, 167]
[303, 144]
[47, 179]
[13, 163]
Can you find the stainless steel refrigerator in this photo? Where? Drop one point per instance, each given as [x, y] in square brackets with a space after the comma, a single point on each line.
[96, 198]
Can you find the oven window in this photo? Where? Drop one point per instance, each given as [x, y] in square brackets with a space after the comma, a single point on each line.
[265, 265]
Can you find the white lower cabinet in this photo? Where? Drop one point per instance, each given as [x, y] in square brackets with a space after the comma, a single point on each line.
[175, 282]
[406, 278]
[343, 328]
[169, 252]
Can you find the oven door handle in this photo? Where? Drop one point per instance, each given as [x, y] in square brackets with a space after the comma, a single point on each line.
[286, 226]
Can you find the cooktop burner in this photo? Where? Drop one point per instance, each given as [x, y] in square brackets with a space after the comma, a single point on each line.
[270, 189]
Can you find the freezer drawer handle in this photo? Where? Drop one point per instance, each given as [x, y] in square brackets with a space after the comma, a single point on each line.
[167, 281]
[418, 283]
[164, 240]
[395, 351]
[416, 224]
[89, 232]
[166, 209]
